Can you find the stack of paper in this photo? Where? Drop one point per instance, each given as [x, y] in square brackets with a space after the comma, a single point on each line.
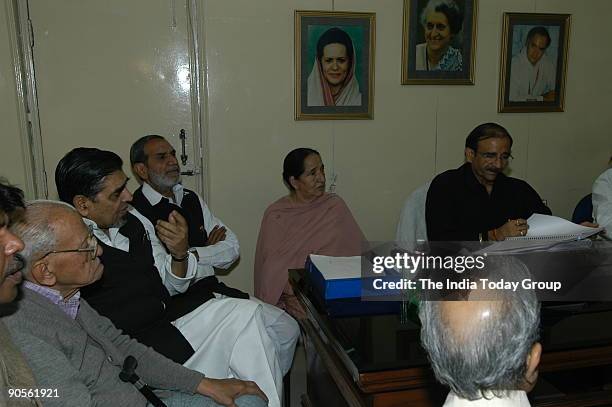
[334, 268]
[545, 227]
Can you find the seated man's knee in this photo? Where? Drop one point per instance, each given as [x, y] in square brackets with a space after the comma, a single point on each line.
[250, 401]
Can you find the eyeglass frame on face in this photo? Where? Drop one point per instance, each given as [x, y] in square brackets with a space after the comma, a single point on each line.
[504, 157]
[93, 248]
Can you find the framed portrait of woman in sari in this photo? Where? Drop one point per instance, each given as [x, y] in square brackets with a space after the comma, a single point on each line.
[439, 42]
[334, 65]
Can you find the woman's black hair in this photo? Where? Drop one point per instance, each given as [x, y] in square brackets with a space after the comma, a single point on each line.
[335, 36]
[293, 165]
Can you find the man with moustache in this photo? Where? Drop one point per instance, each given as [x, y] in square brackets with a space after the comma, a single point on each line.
[221, 338]
[477, 201]
[76, 354]
[161, 194]
[14, 370]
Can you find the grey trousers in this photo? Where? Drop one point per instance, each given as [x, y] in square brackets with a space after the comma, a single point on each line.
[176, 399]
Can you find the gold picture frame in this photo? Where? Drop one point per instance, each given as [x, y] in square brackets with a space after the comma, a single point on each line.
[330, 85]
[453, 30]
[533, 67]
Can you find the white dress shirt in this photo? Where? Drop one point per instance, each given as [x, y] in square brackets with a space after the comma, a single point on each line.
[602, 202]
[529, 81]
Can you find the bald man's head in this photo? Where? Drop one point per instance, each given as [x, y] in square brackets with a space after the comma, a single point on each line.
[487, 344]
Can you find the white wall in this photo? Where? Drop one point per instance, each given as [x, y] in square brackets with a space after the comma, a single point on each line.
[417, 131]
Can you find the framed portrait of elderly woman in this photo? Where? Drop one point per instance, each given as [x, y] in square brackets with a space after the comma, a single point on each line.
[334, 65]
[533, 62]
[439, 42]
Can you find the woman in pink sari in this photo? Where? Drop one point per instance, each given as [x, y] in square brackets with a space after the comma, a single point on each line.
[306, 221]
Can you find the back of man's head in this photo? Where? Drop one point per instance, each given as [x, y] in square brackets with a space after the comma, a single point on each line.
[487, 345]
[485, 131]
[82, 172]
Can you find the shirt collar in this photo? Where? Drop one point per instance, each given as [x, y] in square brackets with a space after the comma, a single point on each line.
[154, 197]
[100, 234]
[70, 306]
[513, 398]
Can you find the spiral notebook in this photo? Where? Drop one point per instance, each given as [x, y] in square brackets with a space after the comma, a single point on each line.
[545, 227]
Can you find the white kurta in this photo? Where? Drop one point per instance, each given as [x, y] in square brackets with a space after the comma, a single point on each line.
[411, 226]
[281, 328]
[229, 336]
[512, 399]
[602, 202]
[528, 81]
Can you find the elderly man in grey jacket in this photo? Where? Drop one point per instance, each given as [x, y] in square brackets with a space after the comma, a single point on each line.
[74, 352]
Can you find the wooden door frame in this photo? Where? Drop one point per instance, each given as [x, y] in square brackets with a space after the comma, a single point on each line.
[21, 42]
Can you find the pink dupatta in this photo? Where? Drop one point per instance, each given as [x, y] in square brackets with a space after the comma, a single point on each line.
[289, 232]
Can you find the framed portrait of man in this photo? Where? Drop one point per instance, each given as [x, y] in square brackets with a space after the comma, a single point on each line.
[533, 62]
[334, 65]
[439, 42]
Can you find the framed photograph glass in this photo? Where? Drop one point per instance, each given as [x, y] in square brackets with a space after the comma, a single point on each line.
[533, 62]
[439, 42]
[334, 65]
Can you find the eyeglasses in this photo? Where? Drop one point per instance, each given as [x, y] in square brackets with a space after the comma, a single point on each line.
[92, 247]
[505, 157]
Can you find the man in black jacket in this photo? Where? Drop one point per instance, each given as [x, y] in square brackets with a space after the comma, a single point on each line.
[477, 201]
[213, 243]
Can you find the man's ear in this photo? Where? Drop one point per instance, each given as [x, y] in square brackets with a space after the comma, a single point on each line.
[82, 205]
[533, 361]
[141, 171]
[469, 154]
[41, 274]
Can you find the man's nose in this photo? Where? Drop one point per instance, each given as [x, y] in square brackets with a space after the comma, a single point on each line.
[499, 162]
[126, 195]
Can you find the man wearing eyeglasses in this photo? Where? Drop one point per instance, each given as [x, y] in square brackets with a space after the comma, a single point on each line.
[477, 201]
[77, 355]
[220, 337]
[14, 370]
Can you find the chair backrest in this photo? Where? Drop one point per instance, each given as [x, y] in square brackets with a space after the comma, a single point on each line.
[584, 210]
[411, 226]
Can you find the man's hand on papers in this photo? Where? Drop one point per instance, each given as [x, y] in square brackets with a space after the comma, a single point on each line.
[589, 224]
[226, 391]
[512, 228]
